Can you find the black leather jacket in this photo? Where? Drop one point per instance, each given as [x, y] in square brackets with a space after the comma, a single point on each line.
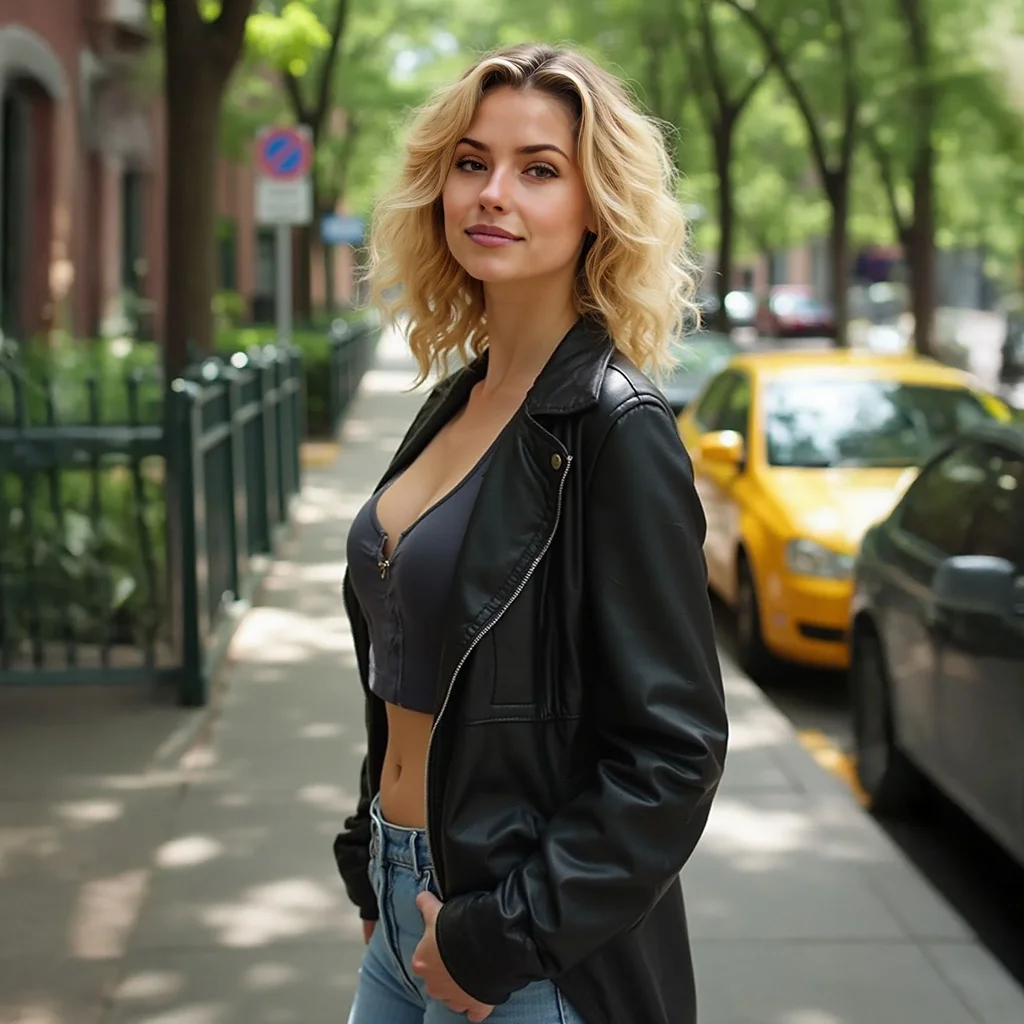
[580, 730]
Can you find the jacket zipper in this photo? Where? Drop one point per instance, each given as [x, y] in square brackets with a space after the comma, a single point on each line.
[487, 627]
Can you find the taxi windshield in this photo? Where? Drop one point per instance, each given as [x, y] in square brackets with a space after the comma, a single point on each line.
[820, 423]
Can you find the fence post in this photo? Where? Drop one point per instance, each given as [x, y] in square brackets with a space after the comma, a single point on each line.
[233, 378]
[187, 596]
[281, 420]
[340, 332]
[299, 414]
[267, 377]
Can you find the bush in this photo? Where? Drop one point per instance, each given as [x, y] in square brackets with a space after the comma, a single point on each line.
[88, 568]
[68, 371]
[315, 345]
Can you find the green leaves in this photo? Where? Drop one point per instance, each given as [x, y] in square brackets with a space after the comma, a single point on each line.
[287, 41]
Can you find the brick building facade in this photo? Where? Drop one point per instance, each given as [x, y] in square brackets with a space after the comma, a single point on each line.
[82, 176]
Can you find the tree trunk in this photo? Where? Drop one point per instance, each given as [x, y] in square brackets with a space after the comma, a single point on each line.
[330, 299]
[838, 190]
[726, 218]
[199, 58]
[922, 251]
[303, 278]
[193, 142]
[922, 232]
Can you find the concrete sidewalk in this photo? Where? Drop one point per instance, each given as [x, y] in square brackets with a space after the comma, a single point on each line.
[197, 886]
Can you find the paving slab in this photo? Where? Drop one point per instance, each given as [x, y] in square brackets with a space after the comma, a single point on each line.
[745, 982]
[245, 870]
[49, 990]
[293, 984]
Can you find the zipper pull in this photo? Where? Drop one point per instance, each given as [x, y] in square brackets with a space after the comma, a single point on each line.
[383, 565]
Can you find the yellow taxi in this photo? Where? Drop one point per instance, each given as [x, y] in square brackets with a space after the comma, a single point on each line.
[796, 453]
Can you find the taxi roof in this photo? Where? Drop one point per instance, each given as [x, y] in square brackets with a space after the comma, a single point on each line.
[839, 363]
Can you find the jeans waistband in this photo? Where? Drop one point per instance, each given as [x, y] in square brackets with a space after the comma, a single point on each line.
[396, 844]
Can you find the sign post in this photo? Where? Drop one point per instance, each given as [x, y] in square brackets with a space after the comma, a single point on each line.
[284, 199]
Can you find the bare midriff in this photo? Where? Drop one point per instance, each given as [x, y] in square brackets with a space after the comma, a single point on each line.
[403, 777]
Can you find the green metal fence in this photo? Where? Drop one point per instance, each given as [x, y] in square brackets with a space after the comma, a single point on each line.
[351, 349]
[128, 548]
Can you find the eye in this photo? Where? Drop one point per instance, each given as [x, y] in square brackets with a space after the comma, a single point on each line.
[469, 163]
[545, 171]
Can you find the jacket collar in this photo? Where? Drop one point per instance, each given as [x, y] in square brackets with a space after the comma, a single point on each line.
[570, 380]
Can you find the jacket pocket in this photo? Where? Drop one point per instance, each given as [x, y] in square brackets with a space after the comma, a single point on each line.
[512, 654]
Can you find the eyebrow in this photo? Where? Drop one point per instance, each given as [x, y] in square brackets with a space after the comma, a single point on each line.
[539, 148]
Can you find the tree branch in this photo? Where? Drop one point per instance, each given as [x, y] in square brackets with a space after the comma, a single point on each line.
[752, 86]
[851, 89]
[885, 172]
[696, 67]
[710, 55]
[227, 31]
[294, 90]
[327, 68]
[780, 61]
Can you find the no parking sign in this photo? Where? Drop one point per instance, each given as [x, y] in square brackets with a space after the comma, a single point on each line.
[284, 192]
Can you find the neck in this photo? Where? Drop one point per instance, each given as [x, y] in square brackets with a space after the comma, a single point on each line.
[524, 327]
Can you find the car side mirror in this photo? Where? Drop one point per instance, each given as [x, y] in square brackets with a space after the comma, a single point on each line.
[978, 584]
[724, 448]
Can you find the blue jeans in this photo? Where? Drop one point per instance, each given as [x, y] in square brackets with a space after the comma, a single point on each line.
[388, 992]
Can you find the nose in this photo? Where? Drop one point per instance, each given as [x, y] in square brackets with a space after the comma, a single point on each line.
[494, 194]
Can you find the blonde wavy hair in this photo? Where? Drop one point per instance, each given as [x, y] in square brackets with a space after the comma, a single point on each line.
[635, 275]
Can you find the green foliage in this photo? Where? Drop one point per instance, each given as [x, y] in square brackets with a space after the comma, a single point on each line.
[290, 40]
[72, 556]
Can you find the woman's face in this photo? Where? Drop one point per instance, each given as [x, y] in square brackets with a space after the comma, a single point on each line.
[515, 206]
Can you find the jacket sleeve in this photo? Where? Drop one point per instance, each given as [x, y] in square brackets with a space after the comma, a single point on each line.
[352, 846]
[352, 853]
[658, 708]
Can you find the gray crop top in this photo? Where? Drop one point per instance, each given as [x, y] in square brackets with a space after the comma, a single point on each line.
[403, 598]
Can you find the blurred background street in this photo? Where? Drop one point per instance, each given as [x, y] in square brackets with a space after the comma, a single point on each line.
[194, 399]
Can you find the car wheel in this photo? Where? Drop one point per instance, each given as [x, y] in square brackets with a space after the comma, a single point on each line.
[754, 657]
[890, 782]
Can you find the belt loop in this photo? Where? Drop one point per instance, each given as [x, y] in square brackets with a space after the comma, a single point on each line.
[412, 854]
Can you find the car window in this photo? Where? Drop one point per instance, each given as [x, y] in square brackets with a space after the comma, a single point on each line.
[998, 525]
[940, 506]
[811, 422]
[709, 410]
[736, 412]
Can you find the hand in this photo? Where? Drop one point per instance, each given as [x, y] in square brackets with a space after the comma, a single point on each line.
[427, 963]
[368, 931]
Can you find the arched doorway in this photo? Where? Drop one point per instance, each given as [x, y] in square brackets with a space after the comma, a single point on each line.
[31, 84]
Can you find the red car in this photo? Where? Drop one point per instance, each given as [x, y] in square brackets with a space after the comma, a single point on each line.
[792, 311]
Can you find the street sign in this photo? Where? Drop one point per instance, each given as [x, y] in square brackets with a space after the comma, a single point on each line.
[284, 153]
[284, 198]
[284, 190]
[288, 203]
[339, 229]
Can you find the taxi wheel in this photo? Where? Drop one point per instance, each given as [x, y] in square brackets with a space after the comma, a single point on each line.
[754, 657]
[890, 782]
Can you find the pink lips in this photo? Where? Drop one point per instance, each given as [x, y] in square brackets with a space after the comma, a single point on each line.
[492, 237]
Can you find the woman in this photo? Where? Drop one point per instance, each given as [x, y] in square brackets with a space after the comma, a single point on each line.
[526, 587]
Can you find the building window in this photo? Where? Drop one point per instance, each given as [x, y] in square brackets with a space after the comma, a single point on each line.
[227, 251]
[263, 305]
[15, 175]
[133, 267]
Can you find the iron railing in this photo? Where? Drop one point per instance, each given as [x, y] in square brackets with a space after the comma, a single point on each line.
[351, 350]
[235, 433]
[80, 525]
[136, 523]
